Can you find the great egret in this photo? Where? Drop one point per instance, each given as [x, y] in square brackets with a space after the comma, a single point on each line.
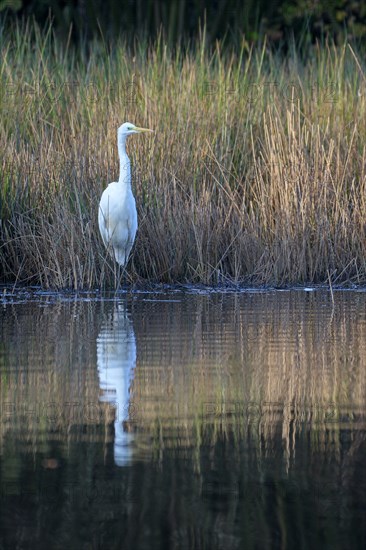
[117, 216]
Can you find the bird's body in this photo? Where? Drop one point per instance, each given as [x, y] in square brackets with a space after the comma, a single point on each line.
[117, 219]
[117, 216]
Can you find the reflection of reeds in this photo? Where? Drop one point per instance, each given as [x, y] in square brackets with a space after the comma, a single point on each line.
[275, 365]
[256, 170]
[49, 381]
[256, 367]
[224, 400]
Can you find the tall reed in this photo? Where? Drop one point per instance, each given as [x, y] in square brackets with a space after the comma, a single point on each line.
[256, 172]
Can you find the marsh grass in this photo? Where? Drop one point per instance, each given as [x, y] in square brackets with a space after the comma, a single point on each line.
[256, 172]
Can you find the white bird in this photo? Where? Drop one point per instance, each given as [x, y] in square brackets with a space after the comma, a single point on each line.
[117, 216]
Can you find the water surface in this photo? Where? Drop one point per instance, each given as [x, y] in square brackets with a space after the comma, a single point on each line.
[183, 420]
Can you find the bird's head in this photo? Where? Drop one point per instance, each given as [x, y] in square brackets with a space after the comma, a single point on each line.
[128, 128]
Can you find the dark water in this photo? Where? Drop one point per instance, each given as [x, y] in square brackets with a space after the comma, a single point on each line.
[216, 421]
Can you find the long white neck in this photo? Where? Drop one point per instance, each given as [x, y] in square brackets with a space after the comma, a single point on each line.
[124, 163]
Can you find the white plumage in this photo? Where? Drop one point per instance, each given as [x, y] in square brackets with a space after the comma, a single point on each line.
[117, 216]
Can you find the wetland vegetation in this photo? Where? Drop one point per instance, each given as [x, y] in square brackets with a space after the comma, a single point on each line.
[256, 172]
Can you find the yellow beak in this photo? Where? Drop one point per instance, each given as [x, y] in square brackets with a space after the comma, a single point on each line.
[142, 129]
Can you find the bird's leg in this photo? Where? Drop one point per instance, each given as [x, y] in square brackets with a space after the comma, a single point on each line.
[120, 274]
[122, 277]
[117, 277]
[125, 276]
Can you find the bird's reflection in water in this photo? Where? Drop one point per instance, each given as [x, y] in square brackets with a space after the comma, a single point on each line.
[116, 356]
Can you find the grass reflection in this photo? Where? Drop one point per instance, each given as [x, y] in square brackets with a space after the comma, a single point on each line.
[247, 413]
[254, 367]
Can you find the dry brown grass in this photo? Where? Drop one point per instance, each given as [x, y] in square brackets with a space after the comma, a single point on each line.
[256, 172]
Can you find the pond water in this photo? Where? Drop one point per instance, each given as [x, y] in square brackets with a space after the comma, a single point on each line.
[183, 420]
